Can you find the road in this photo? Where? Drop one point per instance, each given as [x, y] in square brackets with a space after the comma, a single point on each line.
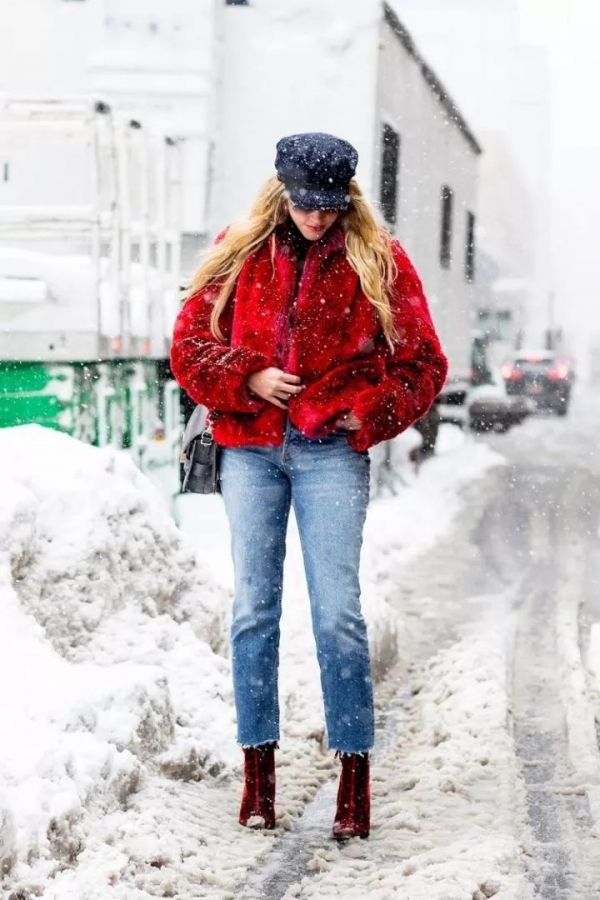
[540, 531]
[521, 569]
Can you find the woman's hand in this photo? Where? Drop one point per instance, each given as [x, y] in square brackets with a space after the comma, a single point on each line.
[274, 385]
[348, 422]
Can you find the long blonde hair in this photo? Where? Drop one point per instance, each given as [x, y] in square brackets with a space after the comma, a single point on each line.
[368, 250]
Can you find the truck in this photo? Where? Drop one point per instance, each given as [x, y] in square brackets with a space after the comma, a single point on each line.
[90, 235]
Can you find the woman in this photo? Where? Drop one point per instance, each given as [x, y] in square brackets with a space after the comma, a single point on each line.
[308, 337]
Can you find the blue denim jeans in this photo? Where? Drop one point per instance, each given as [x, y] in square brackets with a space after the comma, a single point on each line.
[328, 484]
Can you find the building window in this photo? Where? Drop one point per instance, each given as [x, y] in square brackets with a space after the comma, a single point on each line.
[390, 173]
[470, 248]
[237, 3]
[5, 172]
[446, 228]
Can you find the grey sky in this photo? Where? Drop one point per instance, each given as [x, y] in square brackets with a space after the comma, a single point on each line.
[567, 31]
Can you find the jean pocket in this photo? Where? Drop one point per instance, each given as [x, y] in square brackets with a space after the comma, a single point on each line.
[339, 433]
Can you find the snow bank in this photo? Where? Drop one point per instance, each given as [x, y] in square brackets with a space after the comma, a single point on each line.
[411, 516]
[58, 734]
[107, 652]
[86, 538]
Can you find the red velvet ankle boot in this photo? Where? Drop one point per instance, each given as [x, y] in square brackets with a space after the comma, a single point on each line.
[258, 797]
[353, 814]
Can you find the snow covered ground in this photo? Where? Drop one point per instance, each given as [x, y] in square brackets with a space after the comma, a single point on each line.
[442, 829]
[119, 772]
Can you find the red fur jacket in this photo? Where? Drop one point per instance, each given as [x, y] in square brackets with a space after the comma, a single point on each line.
[326, 331]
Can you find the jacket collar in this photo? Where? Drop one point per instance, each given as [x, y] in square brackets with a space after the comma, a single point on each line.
[332, 241]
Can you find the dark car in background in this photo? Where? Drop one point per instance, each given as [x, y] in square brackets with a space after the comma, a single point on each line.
[544, 376]
[484, 407]
[491, 408]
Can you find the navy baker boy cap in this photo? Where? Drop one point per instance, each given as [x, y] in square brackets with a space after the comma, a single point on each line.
[316, 169]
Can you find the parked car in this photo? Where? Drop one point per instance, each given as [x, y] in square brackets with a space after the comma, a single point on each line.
[482, 407]
[491, 408]
[544, 376]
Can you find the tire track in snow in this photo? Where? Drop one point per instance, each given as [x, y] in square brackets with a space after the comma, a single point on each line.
[553, 719]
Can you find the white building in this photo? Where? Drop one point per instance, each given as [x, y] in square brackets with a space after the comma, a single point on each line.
[230, 77]
[437, 186]
[353, 70]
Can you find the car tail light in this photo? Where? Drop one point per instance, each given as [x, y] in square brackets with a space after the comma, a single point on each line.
[559, 373]
[510, 374]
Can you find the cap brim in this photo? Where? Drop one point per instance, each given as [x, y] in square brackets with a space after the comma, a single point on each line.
[313, 198]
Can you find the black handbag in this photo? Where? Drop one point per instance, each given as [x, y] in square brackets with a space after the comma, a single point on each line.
[200, 455]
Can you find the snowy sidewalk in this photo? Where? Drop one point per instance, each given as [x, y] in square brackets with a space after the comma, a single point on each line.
[444, 790]
[118, 648]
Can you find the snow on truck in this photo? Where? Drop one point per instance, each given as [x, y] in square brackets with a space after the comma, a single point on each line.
[89, 277]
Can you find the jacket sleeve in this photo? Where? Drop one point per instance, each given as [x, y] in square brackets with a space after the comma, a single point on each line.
[415, 370]
[211, 372]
